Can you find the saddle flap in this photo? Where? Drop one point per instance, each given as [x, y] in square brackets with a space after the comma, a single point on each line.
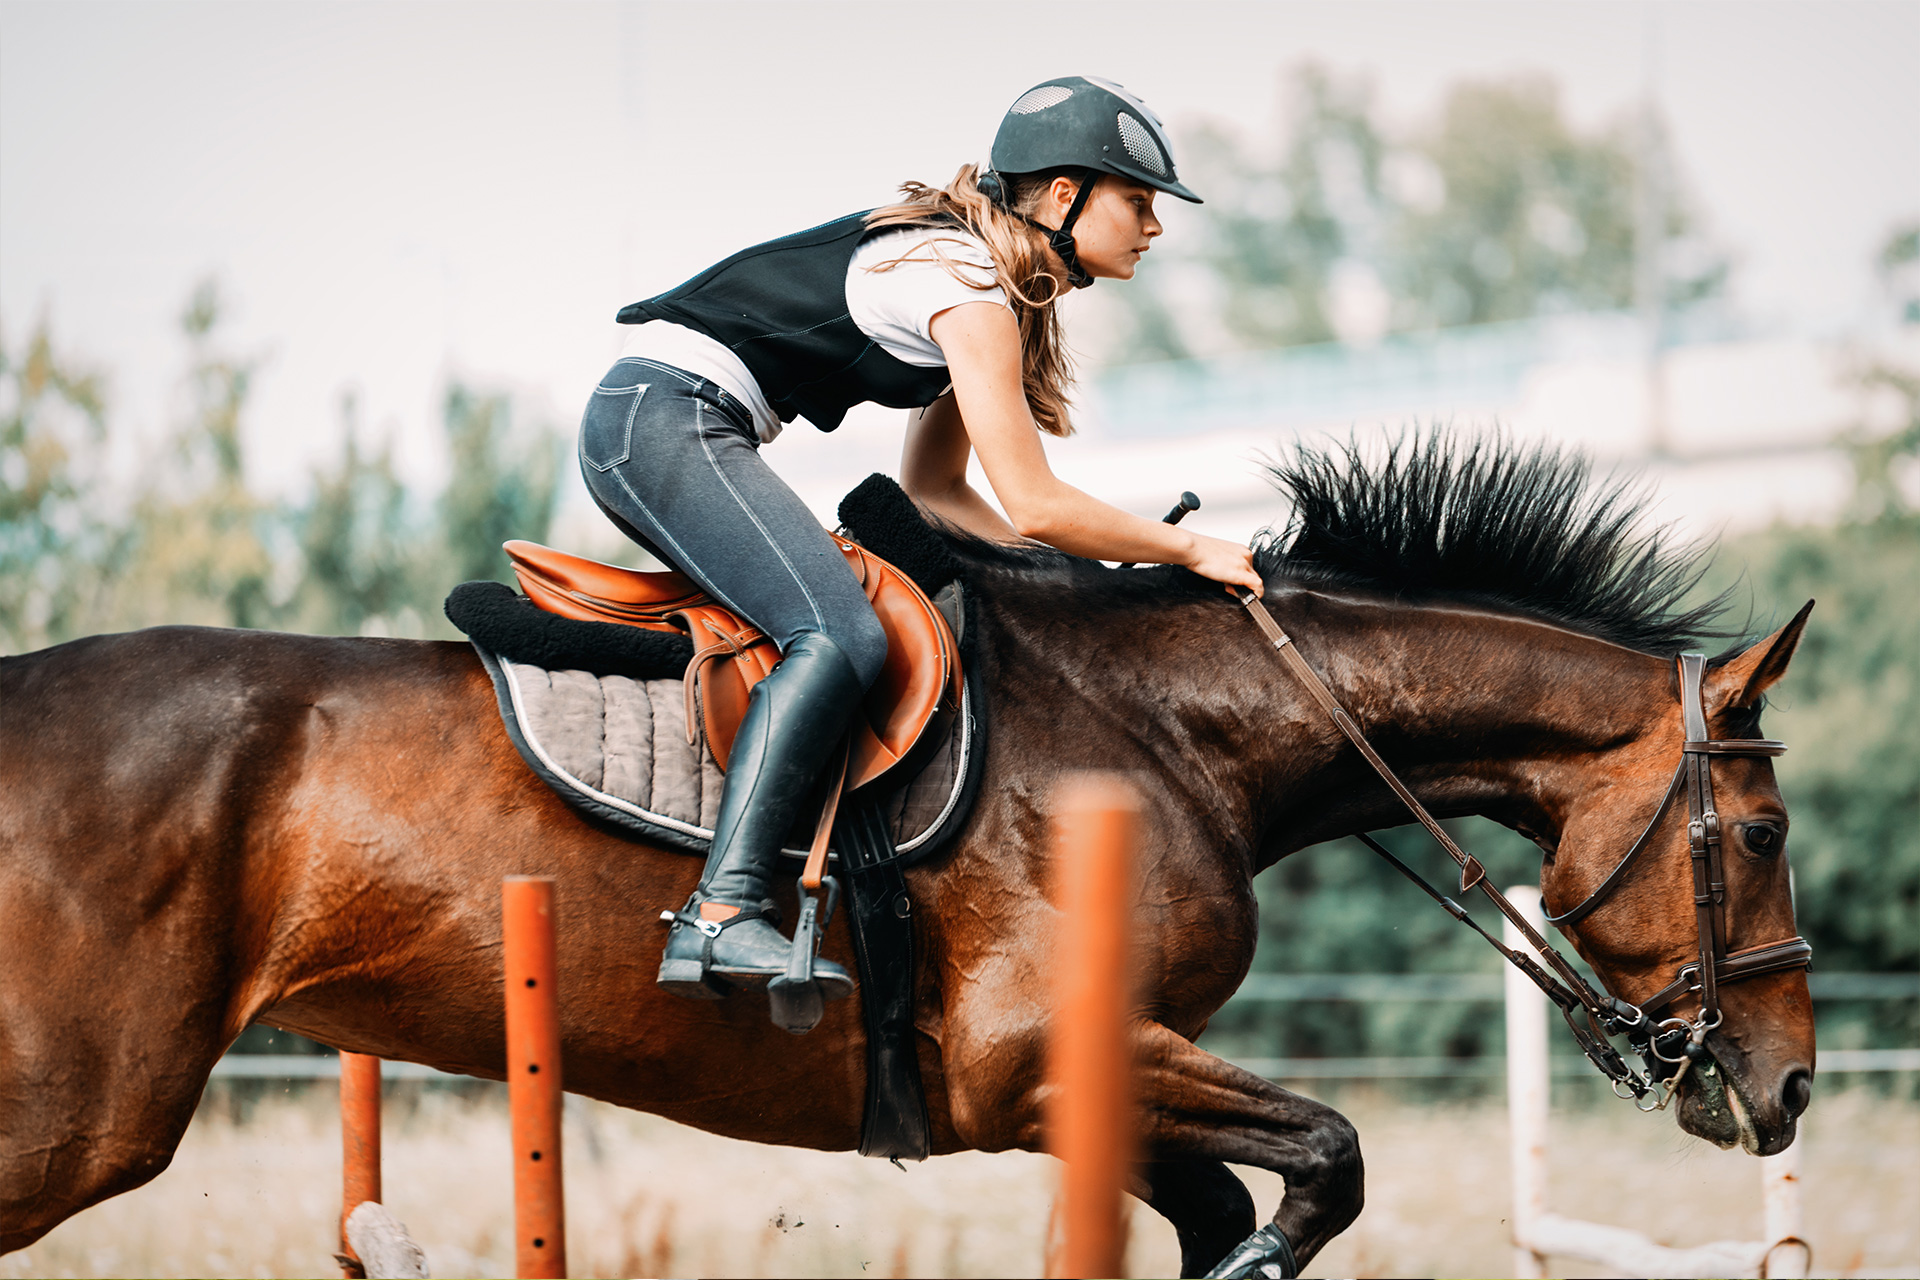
[918, 687]
[588, 591]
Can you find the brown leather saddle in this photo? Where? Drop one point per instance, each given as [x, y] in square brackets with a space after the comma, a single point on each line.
[913, 700]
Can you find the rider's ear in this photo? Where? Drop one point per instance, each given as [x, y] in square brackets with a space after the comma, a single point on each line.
[1741, 682]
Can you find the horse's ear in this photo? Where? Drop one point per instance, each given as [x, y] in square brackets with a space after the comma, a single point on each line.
[1741, 682]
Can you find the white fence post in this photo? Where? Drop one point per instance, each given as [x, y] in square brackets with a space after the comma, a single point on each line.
[1538, 1232]
[1789, 1256]
[1527, 1097]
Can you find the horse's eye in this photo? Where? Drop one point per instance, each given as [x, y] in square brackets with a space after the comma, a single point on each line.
[1762, 837]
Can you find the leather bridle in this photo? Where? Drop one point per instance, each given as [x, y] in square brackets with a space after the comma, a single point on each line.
[1668, 1046]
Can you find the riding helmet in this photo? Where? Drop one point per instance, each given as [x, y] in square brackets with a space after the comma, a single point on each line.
[1080, 122]
[1088, 123]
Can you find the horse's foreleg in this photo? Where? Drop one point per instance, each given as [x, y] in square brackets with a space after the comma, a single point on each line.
[109, 1025]
[1197, 1110]
[1208, 1206]
[99, 1077]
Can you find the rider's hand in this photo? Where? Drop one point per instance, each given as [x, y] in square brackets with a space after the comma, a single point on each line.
[1223, 561]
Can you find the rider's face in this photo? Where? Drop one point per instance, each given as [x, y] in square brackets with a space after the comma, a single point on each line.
[1115, 227]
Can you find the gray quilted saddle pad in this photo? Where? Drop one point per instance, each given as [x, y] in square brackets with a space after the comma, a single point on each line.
[616, 748]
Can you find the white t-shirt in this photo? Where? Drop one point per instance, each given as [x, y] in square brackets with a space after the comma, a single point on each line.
[894, 307]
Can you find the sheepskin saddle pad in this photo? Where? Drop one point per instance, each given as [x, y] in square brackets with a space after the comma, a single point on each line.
[610, 715]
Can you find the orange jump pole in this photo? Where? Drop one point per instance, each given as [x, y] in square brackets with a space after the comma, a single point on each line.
[1090, 1068]
[533, 1076]
[359, 1144]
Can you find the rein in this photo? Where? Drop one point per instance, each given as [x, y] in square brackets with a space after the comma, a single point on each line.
[1669, 1046]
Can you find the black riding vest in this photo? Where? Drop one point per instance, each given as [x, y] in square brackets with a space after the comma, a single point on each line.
[782, 308]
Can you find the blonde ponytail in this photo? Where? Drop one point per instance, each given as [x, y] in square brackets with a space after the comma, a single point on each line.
[1024, 268]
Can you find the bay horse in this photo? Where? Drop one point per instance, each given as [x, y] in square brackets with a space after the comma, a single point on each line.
[201, 829]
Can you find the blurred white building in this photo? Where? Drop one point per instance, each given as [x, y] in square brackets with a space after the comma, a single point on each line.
[1730, 433]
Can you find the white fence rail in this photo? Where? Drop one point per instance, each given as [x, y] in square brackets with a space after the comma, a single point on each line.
[1287, 988]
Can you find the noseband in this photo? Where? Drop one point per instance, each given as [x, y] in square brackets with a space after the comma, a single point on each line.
[1667, 1046]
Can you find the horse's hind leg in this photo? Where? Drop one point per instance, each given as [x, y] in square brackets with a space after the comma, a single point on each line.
[1197, 1111]
[1208, 1206]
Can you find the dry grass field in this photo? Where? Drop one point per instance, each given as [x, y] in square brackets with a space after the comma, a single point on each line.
[649, 1198]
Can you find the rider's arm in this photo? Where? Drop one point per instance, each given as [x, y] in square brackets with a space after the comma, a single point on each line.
[933, 470]
[981, 341]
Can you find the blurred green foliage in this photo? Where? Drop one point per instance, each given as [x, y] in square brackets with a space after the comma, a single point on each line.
[1497, 208]
[52, 425]
[84, 550]
[1850, 708]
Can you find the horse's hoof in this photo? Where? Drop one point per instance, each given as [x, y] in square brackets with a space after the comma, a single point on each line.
[1264, 1254]
[689, 980]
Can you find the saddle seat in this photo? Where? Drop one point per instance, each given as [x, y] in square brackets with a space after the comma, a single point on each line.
[912, 700]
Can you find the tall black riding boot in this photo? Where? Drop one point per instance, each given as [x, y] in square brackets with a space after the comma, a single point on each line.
[794, 720]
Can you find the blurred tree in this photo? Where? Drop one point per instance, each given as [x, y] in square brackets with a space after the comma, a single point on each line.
[53, 546]
[1884, 461]
[191, 543]
[503, 487]
[1881, 462]
[1498, 209]
[199, 538]
[1525, 216]
[1274, 234]
[1851, 705]
[1850, 709]
[357, 556]
[1899, 270]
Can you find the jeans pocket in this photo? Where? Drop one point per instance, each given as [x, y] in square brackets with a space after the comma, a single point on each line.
[606, 431]
[719, 422]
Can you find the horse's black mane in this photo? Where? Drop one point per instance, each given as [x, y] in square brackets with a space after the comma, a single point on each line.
[1484, 519]
[1475, 518]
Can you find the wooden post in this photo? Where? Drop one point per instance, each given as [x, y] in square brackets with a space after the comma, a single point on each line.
[1090, 1118]
[359, 1145]
[533, 1076]
[1527, 1094]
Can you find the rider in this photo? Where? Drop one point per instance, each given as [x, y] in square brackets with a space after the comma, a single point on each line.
[942, 304]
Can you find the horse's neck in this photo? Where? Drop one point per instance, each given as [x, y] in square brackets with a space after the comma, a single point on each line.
[1473, 708]
[1470, 706]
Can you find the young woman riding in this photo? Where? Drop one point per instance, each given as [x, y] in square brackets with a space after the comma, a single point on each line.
[943, 304]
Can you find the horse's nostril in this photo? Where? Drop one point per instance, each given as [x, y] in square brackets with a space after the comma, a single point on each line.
[1797, 1092]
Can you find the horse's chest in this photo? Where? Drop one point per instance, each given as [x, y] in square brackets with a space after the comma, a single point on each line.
[1195, 942]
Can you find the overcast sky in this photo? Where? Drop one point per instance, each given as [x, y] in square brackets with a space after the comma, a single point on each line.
[394, 193]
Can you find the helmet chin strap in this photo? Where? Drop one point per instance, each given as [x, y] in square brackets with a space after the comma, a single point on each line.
[1059, 239]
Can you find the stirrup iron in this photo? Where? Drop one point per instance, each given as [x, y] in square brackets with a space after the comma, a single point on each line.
[794, 998]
